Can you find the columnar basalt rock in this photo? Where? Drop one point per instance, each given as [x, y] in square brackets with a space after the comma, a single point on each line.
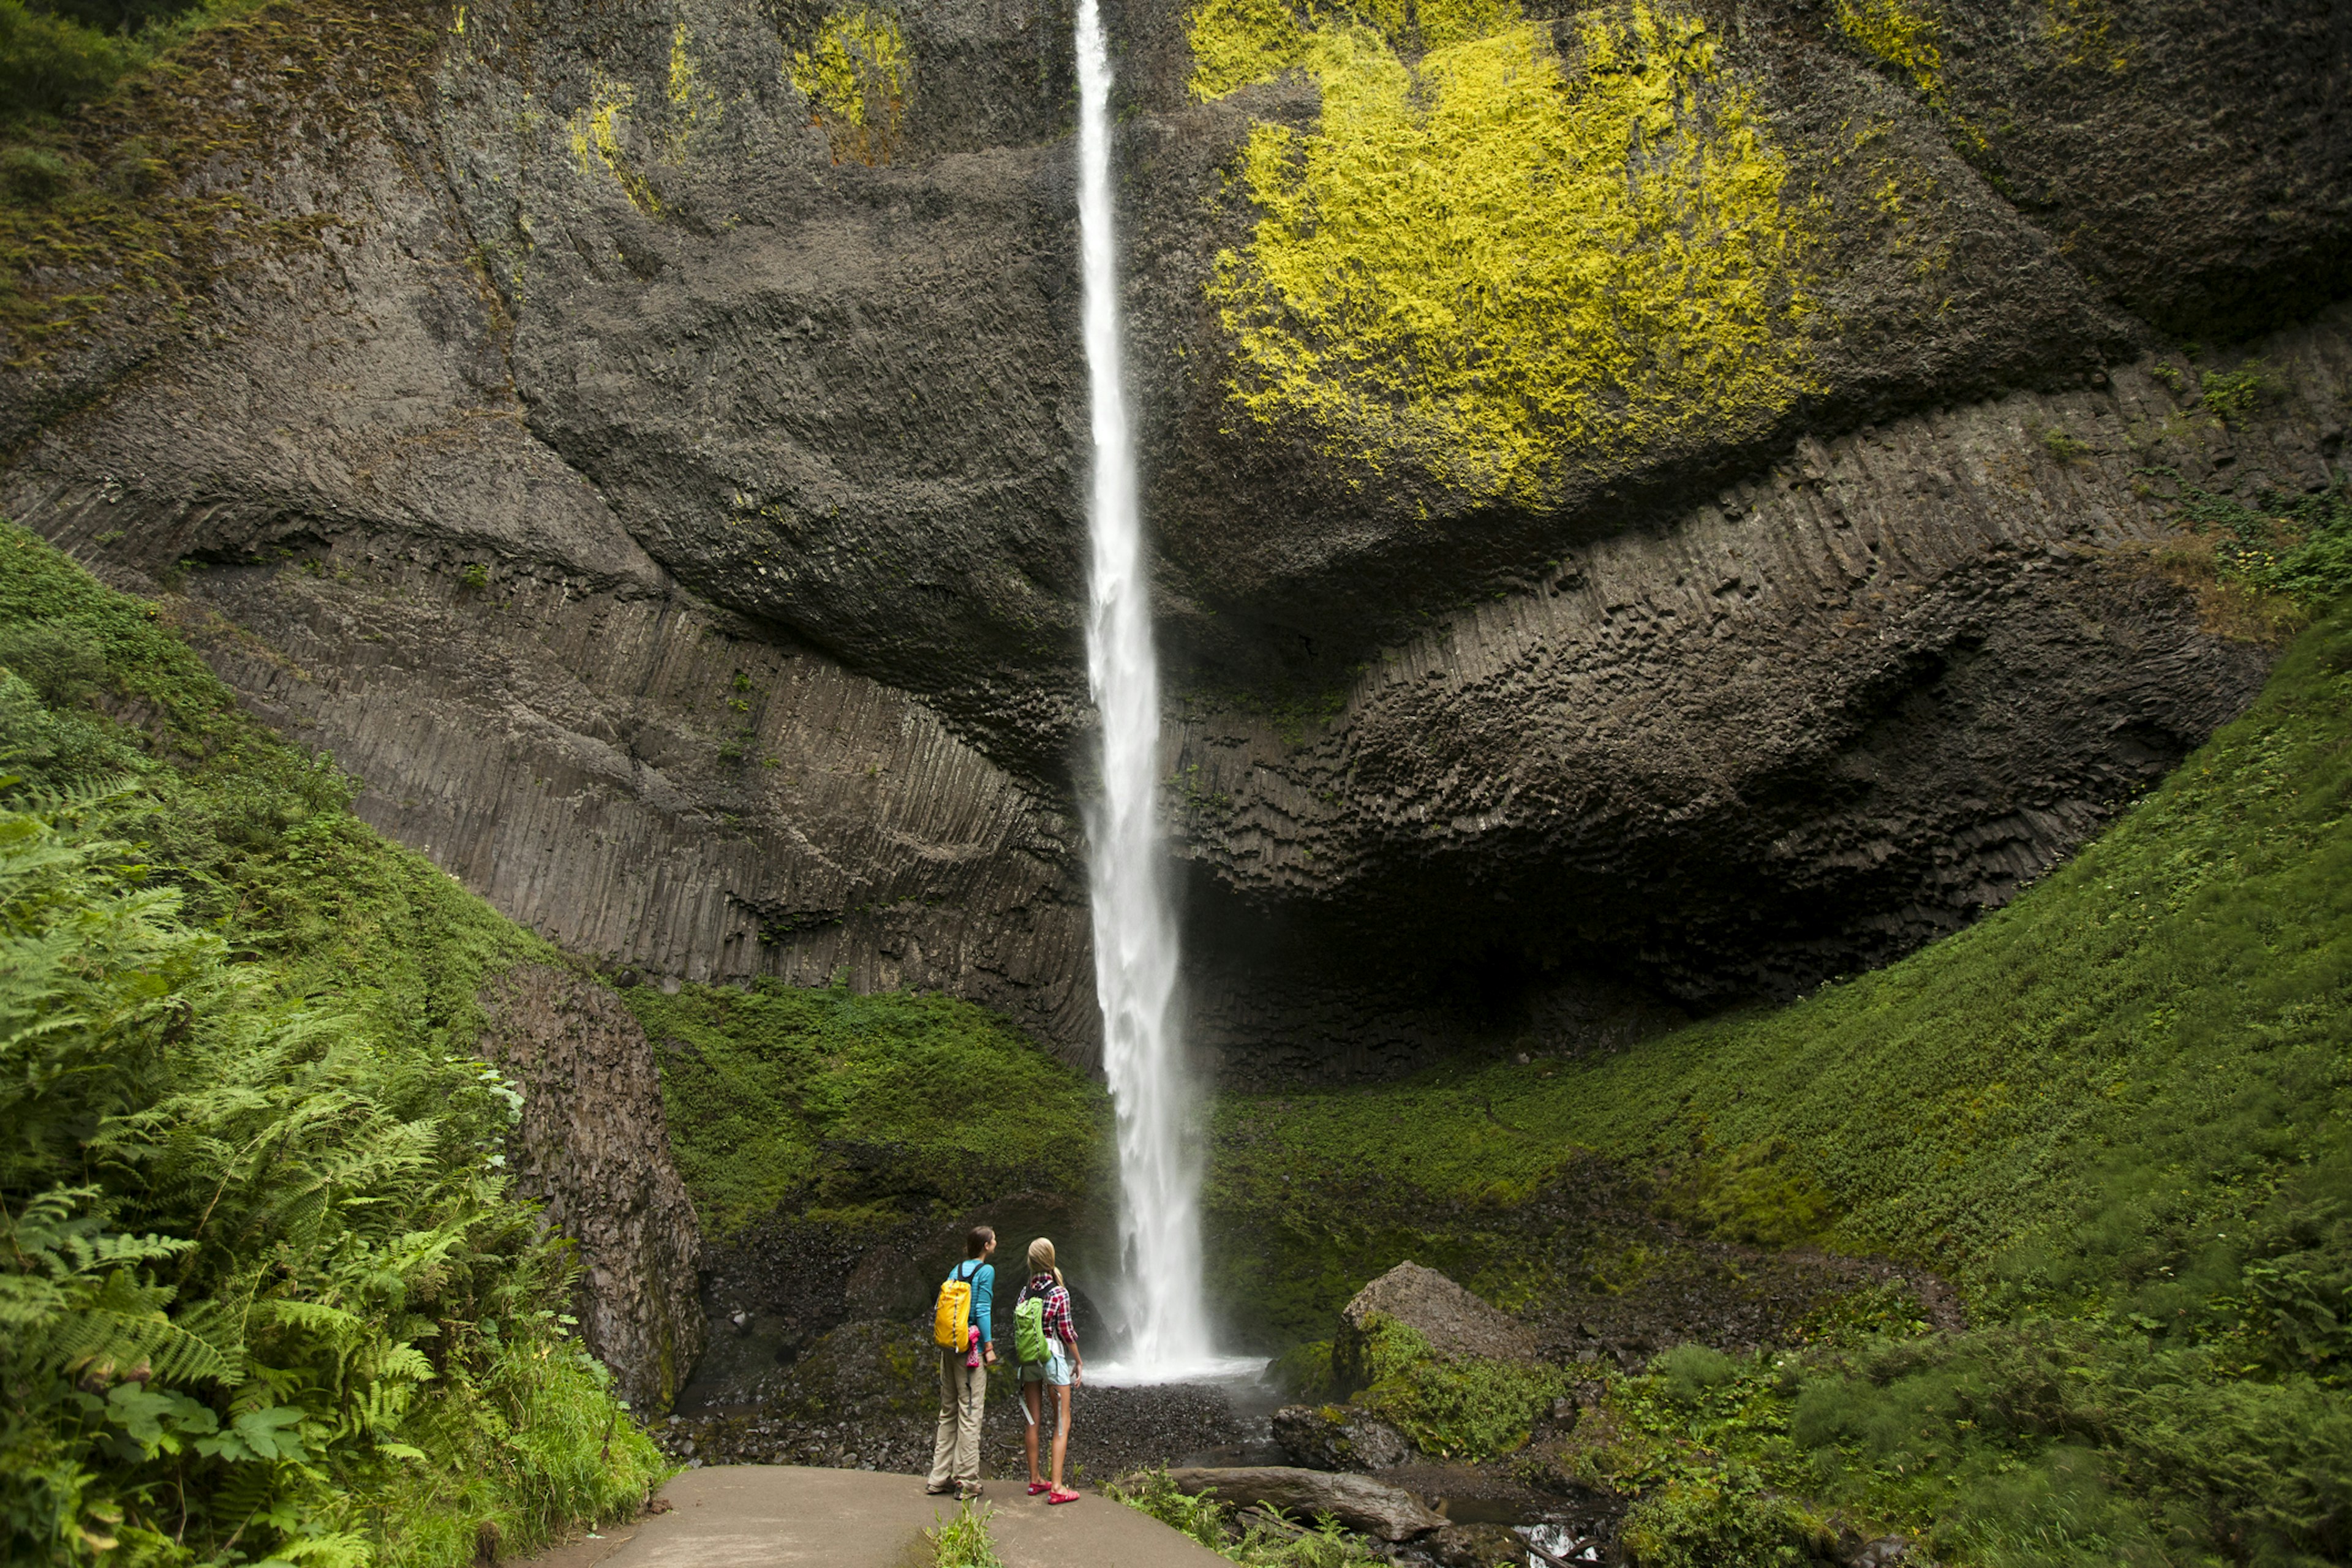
[556, 369]
[591, 1147]
[656, 783]
[1790, 733]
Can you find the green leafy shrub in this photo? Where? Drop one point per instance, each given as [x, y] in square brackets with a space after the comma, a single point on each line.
[2026, 1441]
[2296, 546]
[1693, 1371]
[964, 1541]
[1696, 1524]
[50, 63]
[1248, 1540]
[2230, 395]
[2064, 447]
[1880, 1311]
[294, 1274]
[33, 174]
[1473, 1408]
[56, 55]
[1201, 1517]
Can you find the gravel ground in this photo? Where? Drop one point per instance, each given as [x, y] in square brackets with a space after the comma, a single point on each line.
[867, 1398]
[1114, 1430]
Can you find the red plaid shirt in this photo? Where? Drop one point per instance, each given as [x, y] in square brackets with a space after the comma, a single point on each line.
[1057, 1307]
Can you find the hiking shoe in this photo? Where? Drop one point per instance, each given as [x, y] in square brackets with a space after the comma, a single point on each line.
[938, 1491]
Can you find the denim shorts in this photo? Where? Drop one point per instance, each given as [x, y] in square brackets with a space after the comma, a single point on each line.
[1054, 1368]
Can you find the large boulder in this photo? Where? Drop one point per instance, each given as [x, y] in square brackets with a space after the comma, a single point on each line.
[1338, 1438]
[1372, 1507]
[1457, 1325]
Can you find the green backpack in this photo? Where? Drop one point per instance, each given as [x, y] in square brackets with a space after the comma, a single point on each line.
[1029, 1330]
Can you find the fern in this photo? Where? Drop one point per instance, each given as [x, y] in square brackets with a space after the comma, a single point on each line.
[261, 1296]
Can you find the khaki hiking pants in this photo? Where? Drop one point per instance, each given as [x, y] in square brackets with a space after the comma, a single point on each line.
[963, 1394]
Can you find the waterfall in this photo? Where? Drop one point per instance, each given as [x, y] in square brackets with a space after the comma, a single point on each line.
[1134, 927]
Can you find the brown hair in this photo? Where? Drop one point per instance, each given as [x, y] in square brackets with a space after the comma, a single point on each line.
[1041, 1259]
[977, 1242]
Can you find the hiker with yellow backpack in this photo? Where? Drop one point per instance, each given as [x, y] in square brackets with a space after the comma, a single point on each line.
[959, 1328]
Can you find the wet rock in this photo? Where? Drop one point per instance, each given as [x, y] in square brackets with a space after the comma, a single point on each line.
[1457, 1324]
[591, 1144]
[1338, 1438]
[1357, 1504]
[1474, 1546]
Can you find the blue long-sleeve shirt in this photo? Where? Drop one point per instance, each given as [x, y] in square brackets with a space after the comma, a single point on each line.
[983, 1291]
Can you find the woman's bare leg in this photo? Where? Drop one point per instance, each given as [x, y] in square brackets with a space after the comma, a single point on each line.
[1035, 1394]
[1061, 1433]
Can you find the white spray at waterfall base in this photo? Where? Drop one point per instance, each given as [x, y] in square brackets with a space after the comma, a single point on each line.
[1134, 927]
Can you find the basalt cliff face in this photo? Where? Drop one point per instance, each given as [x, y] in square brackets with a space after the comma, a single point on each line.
[1654, 504]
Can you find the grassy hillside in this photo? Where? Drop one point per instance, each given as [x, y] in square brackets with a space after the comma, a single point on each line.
[2114, 1113]
[2147, 1046]
[263, 1292]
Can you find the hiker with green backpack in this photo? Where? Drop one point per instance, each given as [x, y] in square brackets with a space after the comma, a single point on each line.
[1047, 1344]
[959, 1327]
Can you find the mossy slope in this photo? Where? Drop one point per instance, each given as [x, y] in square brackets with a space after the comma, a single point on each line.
[825, 1099]
[2114, 1112]
[2173, 1000]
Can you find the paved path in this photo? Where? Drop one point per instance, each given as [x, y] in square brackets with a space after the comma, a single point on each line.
[788, 1516]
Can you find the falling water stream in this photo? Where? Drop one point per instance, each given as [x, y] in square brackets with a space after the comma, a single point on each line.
[1134, 927]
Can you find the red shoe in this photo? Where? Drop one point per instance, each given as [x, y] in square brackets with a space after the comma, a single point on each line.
[1063, 1497]
[1036, 1487]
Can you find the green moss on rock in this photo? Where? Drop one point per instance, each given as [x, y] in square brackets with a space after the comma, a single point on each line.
[832, 1099]
[1469, 1408]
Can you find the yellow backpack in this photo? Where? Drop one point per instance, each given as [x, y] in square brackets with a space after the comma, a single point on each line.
[952, 1321]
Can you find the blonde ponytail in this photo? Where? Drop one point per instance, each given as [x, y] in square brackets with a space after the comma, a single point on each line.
[1041, 1259]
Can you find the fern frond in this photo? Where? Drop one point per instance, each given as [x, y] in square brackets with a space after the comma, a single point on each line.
[121, 1323]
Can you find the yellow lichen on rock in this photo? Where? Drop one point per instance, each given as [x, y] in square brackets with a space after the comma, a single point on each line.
[1902, 38]
[1445, 22]
[2083, 33]
[855, 76]
[690, 100]
[597, 140]
[1488, 267]
[1238, 42]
